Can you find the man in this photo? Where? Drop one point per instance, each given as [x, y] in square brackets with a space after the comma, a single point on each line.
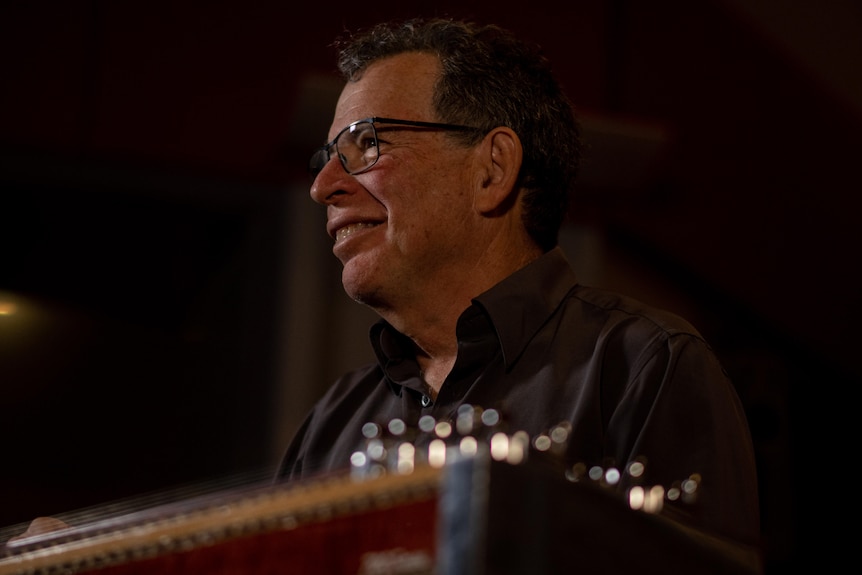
[452, 154]
[451, 158]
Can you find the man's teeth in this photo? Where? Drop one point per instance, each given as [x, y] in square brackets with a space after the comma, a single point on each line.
[347, 230]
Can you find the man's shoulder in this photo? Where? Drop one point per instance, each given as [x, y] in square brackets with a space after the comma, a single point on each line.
[619, 307]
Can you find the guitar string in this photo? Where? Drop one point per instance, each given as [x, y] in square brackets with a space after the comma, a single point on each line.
[151, 501]
[148, 502]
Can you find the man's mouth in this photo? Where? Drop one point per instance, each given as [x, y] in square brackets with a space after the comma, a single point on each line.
[346, 231]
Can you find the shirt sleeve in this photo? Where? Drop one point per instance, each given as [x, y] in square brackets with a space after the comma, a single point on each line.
[291, 466]
[682, 415]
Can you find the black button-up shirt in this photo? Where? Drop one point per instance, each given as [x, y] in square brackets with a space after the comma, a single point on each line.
[631, 381]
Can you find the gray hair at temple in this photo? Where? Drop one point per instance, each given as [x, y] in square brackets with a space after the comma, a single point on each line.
[490, 78]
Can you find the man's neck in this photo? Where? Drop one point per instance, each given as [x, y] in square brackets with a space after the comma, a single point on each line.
[431, 322]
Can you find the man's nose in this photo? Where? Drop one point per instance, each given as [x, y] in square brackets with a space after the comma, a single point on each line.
[328, 183]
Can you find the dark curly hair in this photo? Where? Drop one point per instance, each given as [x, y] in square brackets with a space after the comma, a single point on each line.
[490, 78]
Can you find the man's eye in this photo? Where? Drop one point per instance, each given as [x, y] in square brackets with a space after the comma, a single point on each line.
[366, 141]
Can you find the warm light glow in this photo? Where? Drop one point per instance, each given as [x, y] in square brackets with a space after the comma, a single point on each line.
[654, 500]
[437, 453]
[376, 450]
[358, 459]
[650, 500]
[636, 469]
[406, 458]
[358, 463]
[636, 497]
[7, 308]
[500, 446]
[469, 446]
[519, 444]
[542, 442]
[443, 429]
[689, 486]
[560, 433]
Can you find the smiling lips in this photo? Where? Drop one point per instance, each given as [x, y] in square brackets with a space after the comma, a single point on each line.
[346, 231]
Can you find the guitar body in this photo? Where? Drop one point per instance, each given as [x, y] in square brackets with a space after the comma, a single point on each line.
[335, 525]
[472, 515]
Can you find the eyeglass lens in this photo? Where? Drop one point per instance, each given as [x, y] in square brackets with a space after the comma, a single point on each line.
[356, 146]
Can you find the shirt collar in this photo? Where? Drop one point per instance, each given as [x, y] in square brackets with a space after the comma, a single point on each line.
[520, 304]
[516, 307]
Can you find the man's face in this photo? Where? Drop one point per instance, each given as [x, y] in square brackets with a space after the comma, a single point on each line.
[403, 228]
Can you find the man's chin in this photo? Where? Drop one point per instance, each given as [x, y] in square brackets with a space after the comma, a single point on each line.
[359, 288]
[368, 298]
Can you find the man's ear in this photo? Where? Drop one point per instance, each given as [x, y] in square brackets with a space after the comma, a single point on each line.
[500, 157]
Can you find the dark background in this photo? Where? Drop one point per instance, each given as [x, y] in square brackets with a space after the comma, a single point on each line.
[169, 308]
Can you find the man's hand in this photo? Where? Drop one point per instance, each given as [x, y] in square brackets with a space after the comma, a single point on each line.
[40, 526]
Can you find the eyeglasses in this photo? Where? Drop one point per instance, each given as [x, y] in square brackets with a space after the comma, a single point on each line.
[357, 147]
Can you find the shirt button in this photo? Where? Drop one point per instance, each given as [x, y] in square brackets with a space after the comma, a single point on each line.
[426, 401]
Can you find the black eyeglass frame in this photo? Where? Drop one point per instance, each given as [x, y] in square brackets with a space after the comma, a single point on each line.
[321, 155]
